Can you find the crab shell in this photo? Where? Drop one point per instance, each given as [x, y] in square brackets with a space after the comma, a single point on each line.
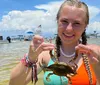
[60, 69]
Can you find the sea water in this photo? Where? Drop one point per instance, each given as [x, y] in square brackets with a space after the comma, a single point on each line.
[11, 53]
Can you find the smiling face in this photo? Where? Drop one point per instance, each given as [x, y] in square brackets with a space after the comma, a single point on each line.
[71, 24]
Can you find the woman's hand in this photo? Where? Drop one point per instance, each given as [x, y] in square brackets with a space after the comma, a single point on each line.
[93, 51]
[37, 46]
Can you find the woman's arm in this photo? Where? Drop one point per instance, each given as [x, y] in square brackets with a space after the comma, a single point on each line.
[21, 75]
[18, 75]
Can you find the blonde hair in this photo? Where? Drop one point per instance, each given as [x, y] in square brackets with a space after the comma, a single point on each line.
[77, 4]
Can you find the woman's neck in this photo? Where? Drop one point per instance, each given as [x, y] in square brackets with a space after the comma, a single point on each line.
[68, 48]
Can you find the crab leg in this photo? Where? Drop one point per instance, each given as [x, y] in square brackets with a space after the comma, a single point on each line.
[76, 55]
[75, 67]
[47, 78]
[69, 79]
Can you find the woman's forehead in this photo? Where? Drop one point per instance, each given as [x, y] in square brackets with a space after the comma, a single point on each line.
[72, 12]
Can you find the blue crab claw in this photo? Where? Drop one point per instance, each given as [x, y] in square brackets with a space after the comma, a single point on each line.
[56, 62]
[42, 65]
[76, 55]
[53, 54]
[48, 79]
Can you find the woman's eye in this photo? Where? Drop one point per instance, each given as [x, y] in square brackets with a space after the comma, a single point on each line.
[64, 22]
[77, 24]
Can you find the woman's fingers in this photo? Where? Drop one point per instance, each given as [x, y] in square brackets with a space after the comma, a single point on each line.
[90, 50]
[37, 46]
[82, 48]
[37, 40]
[45, 47]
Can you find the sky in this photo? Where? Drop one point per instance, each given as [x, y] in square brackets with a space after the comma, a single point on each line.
[22, 15]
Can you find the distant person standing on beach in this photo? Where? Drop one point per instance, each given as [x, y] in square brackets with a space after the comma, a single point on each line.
[9, 39]
[72, 20]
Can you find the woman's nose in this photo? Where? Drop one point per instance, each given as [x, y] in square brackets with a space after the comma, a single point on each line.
[69, 27]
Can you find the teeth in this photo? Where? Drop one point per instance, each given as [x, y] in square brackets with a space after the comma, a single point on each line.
[68, 35]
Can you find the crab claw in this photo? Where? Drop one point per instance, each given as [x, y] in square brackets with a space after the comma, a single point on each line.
[53, 55]
[68, 75]
[47, 79]
[76, 55]
[42, 65]
[69, 80]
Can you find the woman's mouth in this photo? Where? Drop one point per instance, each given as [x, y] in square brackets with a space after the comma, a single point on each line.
[69, 36]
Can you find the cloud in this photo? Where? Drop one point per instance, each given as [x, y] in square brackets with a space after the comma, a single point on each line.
[44, 15]
[95, 26]
[51, 7]
[93, 11]
[21, 19]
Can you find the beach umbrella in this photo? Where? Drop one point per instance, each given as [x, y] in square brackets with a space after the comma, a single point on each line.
[30, 32]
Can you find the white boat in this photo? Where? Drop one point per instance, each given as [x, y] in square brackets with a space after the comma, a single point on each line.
[28, 35]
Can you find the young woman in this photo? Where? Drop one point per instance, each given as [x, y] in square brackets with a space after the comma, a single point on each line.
[72, 20]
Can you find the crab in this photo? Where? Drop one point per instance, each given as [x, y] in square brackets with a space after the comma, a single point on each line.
[60, 69]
